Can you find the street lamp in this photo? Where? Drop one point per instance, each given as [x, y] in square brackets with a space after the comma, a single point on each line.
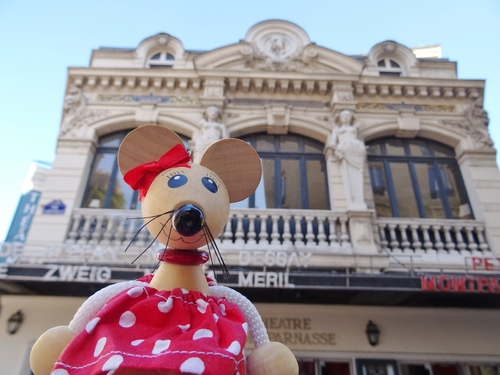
[14, 322]
[373, 333]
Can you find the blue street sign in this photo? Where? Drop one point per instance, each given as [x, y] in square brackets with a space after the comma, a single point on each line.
[54, 207]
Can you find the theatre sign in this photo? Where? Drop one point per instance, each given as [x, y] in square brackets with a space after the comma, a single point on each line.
[266, 277]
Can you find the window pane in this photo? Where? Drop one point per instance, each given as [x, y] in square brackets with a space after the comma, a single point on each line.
[99, 180]
[419, 148]
[394, 147]
[379, 187]
[289, 193]
[316, 185]
[444, 369]
[267, 199]
[307, 367]
[394, 64]
[313, 146]
[429, 190]
[443, 151]
[265, 143]
[289, 144]
[381, 63]
[484, 370]
[156, 57]
[374, 149]
[403, 189]
[457, 199]
[414, 370]
[170, 57]
[122, 195]
[113, 140]
[335, 368]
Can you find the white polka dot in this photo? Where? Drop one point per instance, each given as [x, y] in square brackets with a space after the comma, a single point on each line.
[223, 309]
[185, 291]
[245, 327]
[234, 348]
[216, 318]
[91, 325]
[99, 346]
[60, 371]
[161, 345]
[113, 363]
[193, 366]
[202, 305]
[202, 333]
[135, 291]
[166, 306]
[127, 319]
[184, 328]
[136, 342]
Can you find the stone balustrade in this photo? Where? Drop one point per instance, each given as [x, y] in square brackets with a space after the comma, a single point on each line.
[433, 236]
[99, 235]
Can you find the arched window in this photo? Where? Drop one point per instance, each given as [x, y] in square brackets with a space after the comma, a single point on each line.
[161, 60]
[417, 178]
[294, 173]
[388, 67]
[105, 187]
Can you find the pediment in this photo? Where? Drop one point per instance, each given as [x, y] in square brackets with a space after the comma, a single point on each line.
[277, 46]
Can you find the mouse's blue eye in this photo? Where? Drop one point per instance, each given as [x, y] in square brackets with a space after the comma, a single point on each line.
[209, 184]
[177, 181]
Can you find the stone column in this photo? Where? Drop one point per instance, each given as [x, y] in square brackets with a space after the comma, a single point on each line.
[482, 182]
[66, 181]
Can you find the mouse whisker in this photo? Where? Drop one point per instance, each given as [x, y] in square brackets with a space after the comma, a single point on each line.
[213, 244]
[142, 227]
[156, 237]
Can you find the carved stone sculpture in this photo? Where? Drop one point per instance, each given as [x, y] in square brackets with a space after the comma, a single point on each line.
[351, 152]
[211, 130]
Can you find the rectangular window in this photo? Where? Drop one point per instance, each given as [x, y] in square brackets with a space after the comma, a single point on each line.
[267, 199]
[289, 184]
[99, 180]
[335, 368]
[316, 187]
[376, 367]
[403, 189]
[484, 369]
[429, 190]
[380, 192]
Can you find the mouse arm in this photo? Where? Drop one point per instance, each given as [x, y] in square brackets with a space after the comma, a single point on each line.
[268, 358]
[51, 344]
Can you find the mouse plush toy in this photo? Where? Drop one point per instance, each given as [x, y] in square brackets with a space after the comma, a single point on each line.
[175, 321]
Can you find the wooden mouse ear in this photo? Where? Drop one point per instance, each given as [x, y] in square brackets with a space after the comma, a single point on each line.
[145, 144]
[237, 164]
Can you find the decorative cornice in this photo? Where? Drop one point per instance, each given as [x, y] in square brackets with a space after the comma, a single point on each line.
[276, 82]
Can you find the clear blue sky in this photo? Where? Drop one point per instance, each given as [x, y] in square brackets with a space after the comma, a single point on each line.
[39, 40]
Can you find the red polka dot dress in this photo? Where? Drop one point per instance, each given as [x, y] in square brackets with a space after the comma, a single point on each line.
[146, 329]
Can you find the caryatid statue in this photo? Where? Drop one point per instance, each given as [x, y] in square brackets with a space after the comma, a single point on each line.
[211, 130]
[351, 152]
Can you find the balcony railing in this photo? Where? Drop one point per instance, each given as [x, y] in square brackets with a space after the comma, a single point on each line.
[433, 236]
[104, 234]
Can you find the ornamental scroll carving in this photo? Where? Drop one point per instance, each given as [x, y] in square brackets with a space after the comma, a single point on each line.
[475, 125]
[276, 52]
[76, 115]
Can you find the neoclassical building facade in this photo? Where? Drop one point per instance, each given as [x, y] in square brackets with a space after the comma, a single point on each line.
[378, 200]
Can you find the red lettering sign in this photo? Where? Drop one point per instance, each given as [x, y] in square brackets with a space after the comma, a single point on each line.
[460, 284]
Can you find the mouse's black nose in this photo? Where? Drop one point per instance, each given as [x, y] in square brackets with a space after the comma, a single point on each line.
[188, 220]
